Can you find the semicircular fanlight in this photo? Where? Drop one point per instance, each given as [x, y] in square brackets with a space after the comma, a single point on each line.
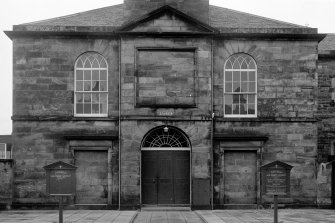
[165, 137]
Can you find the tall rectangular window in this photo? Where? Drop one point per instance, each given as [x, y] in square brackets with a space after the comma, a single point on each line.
[91, 86]
[240, 86]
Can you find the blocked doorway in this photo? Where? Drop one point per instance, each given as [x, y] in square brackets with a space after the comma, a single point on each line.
[237, 164]
[240, 177]
[165, 169]
[91, 176]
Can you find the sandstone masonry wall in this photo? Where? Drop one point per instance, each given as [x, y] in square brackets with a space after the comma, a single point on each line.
[286, 74]
[132, 135]
[289, 142]
[326, 131]
[39, 143]
[138, 120]
[326, 107]
[43, 110]
[129, 76]
[43, 74]
[287, 104]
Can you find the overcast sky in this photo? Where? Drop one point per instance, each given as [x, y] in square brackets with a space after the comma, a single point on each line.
[313, 13]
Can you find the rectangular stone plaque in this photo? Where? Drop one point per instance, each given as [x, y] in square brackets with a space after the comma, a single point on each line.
[165, 77]
[165, 113]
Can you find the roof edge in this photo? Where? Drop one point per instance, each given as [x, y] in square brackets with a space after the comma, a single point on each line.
[269, 30]
[48, 28]
[19, 34]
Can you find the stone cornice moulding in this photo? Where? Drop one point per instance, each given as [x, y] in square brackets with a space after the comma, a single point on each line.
[116, 34]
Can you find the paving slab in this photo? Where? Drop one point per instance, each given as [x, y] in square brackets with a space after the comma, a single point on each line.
[168, 217]
[206, 216]
[266, 216]
[69, 216]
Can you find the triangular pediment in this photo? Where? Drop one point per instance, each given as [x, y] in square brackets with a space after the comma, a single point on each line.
[59, 165]
[277, 163]
[167, 20]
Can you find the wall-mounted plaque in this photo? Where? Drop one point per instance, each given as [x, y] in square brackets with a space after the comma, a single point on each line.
[60, 177]
[276, 178]
[165, 112]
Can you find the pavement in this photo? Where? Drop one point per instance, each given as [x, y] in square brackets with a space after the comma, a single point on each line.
[216, 216]
[266, 216]
[168, 217]
[69, 216]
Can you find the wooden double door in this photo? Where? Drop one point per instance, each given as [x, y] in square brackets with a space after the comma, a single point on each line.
[165, 177]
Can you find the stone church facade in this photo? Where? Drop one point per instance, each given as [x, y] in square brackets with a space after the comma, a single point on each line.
[174, 103]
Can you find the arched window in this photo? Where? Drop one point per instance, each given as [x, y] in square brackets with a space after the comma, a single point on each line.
[240, 86]
[91, 85]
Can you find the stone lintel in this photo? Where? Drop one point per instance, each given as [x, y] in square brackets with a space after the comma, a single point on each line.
[288, 119]
[91, 137]
[240, 137]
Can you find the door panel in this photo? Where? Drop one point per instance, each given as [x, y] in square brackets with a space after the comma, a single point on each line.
[149, 177]
[165, 177]
[240, 177]
[182, 178]
[91, 177]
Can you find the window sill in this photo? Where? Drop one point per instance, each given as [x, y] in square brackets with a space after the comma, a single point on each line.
[240, 116]
[91, 116]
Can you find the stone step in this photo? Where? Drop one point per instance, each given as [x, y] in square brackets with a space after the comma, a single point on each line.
[165, 208]
[240, 206]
